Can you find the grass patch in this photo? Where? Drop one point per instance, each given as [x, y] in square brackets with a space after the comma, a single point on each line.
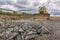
[14, 13]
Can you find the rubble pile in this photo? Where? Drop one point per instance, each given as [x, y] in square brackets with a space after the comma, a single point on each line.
[23, 30]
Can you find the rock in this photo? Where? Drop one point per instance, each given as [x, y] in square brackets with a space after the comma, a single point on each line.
[2, 24]
[23, 29]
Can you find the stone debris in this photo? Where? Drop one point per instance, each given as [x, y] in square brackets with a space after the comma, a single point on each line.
[23, 30]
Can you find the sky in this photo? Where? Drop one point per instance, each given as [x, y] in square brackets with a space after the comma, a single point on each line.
[30, 6]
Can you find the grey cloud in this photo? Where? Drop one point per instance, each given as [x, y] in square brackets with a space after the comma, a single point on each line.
[24, 2]
[56, 12]
[21, 5]
[26, 6]
[57, 2]
[51, 9]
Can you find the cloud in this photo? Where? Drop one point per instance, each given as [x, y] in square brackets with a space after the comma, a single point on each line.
[9, 7]
[53, 6]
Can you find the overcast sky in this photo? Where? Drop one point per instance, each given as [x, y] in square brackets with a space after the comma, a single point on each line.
[30, 6]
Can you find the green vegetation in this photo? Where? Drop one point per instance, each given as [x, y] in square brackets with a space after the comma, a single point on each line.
[26, 14]
[5, 13]
[14, 13]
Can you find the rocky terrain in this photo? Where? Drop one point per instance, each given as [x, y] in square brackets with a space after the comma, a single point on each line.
[29, 30]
